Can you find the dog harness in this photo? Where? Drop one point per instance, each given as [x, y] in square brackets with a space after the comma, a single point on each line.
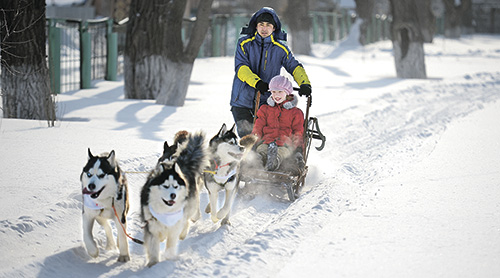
[223, 179]
[167, 219]
[91, 203]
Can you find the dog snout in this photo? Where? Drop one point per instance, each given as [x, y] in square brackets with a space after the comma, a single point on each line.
[91, 186]
[172, 196]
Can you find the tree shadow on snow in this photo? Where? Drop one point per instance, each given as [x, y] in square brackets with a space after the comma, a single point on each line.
[148, 129]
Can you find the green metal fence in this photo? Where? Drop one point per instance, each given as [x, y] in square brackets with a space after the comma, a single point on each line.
[82, 51]
[330, 26]
[79, 52]
[225, 30]
[378, 29]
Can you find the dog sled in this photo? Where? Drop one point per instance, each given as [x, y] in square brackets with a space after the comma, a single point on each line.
[287, 179]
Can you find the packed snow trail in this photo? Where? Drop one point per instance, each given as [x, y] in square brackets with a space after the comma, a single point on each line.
[364, 146]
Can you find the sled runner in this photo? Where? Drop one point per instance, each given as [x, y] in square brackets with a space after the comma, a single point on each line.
[287, 178]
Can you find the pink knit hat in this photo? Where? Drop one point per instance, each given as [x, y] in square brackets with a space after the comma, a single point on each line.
[281, 83]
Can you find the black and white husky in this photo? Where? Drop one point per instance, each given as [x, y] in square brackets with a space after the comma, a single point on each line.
[105, 197]
[171, 152]
[225, 158]
[170, 198]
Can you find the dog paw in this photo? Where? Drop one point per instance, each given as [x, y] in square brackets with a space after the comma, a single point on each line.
[152, 262]
[196, 216]
[123, 258]
[214, 219]
[183, 235]
[92, 250]
[222, 213]
[93, 254]
[225, 221]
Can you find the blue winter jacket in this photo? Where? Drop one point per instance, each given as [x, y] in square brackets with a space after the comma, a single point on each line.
[261, 59]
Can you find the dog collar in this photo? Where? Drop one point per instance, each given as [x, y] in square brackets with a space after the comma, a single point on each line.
[167, 219]
[91, 203]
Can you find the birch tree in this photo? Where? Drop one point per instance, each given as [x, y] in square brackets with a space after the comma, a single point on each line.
[25, 81]
[158, 61]
[408, 38]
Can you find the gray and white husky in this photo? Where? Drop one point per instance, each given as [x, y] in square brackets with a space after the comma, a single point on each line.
[105, 197]
[226, 154]
[170, 198]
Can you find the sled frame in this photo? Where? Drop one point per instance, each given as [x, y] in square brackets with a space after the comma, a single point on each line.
[292, 183]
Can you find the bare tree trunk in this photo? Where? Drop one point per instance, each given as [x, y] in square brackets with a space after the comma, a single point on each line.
[158, 63]
[453, 17]
[407, 39]
[364, 9]
[181, 74]
[426, 20]
[25, 77]
[297, 17]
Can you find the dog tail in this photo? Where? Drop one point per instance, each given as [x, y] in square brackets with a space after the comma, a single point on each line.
[181, 137]
[248, 141]
[193, 158]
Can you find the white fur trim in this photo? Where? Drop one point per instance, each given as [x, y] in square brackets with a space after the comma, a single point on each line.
[270, 101]
[287, 104]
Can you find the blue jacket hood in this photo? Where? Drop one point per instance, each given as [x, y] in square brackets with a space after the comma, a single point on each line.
[251, 28]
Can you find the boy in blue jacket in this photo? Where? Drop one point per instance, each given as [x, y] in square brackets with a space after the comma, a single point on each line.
[260, 55]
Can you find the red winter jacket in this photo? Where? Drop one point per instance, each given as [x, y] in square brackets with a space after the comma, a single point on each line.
[282, 122]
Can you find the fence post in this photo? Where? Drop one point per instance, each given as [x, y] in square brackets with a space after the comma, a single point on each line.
[326, 33]
[315, 28]
[54, 56]
[216, 32]
[85, 56]
[348, 22]
[342, 25]
[369, 31]
[112, 51]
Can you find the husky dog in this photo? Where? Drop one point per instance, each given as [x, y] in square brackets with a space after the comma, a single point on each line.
[105, 197]
[170, 153]
[170, 198]
[226, 155]
[168, 158]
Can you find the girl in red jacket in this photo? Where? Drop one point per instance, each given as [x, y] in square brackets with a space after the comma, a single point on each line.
[280, 125]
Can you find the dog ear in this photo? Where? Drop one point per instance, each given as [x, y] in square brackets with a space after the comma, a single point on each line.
[111, 159]
[222, 130]
[232, 129]
[165, 147]
[90, 154]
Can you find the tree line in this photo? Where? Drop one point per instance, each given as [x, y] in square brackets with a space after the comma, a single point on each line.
[159, 62]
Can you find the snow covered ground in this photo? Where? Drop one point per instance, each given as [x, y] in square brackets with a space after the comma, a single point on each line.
[407, 185]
